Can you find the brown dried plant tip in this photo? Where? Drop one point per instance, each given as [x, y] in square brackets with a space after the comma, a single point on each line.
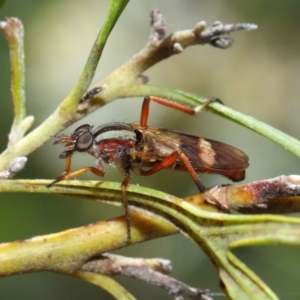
[146, 150]
[148, 270]
[221, 43]
[158, 24]
[216, 35]
[92, 93]
[12, 27]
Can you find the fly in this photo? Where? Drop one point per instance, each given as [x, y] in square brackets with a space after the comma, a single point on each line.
[146, 150]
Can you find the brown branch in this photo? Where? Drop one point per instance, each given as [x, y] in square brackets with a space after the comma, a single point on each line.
[159, 48]
[279, 195]
[122, 81]
[149, 270]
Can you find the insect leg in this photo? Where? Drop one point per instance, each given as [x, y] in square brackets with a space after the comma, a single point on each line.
[67, 175]
[175, 105]
[124, 185]
[208, 197]
[170, 160]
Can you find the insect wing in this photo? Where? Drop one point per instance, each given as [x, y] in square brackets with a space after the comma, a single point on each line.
[205, 155]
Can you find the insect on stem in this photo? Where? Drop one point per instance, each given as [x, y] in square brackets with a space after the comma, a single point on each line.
[146, 150]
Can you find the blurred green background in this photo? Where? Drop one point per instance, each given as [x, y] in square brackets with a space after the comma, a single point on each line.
[259, 76]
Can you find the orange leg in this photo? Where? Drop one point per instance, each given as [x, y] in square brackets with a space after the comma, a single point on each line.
[170, 160]
[181, 107]
[67, 175]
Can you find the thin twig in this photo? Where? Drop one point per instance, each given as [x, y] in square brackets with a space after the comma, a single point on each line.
[159, 48]
[14, 32]
[148, 270]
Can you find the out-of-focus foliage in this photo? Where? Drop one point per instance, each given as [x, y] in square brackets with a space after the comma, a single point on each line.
[2, 3]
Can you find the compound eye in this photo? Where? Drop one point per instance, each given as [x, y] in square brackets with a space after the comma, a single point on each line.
[84, 141]
[83, 128]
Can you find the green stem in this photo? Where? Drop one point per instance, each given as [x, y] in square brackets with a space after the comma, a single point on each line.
[106, 283]
[215, 233]
[14, 32]
[69, 105]
[286, 141]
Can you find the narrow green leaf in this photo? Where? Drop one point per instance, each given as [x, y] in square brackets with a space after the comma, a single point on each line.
[115, 9]
[107, 283]
[286, 141]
